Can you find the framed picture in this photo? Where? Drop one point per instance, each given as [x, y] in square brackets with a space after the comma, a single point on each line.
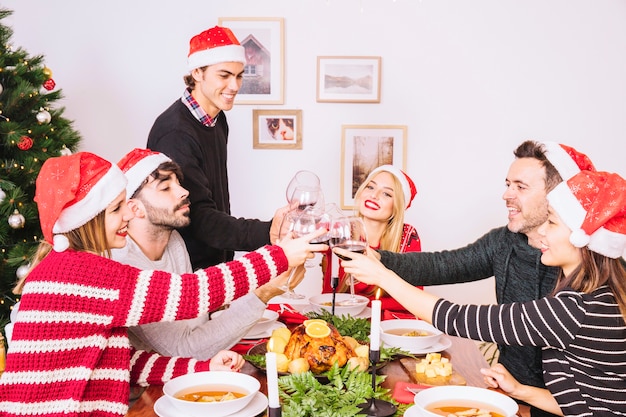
[365, 147]
[348, 79]
[277, 129]
[263, 41]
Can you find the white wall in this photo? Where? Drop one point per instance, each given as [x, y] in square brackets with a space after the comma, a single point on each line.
[470, 79]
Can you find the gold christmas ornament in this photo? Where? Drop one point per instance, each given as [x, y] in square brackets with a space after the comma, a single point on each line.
[47, 72]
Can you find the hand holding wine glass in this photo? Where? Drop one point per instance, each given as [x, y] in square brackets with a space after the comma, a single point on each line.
[303, 226]
[349, 233]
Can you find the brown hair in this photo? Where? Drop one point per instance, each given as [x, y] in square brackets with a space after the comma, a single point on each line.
[594, 271]
[161, 173]
[188, 78]
[90, 237]
[536, 150]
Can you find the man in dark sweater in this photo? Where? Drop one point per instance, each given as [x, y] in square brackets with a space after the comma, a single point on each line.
[193, 132]
[510, 254]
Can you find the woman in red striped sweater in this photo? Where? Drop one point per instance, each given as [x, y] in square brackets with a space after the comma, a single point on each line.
[69, 354]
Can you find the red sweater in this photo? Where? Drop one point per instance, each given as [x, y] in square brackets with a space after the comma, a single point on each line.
[70, 354]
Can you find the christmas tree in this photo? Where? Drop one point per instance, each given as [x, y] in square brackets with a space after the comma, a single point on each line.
[31, 131]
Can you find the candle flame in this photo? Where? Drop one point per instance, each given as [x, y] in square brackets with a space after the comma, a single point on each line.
[379, 292]
[270, 345]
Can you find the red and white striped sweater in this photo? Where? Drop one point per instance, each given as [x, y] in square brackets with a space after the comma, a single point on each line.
[70, 354]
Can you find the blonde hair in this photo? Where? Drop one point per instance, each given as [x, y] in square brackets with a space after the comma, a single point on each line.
[90, 237]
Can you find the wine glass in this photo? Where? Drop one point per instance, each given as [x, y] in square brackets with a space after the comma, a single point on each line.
[307, 196]
[349, 233]
[306, 178]
[289, 221]
[311, 219]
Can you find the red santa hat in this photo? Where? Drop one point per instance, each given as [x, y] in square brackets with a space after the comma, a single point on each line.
[593, 205]
[567, 160]
[71, 190]
[137, 165]
[213, 46]
[408, 186]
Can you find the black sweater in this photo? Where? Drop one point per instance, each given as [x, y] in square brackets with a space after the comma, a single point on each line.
[201, 152]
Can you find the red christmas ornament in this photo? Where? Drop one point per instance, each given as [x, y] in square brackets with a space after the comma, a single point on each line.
[49, 84]
[25, 143]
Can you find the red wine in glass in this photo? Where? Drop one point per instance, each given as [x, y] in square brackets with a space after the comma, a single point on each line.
[358, 247]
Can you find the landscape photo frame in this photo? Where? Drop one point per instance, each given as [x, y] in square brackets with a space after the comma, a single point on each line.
[348, 79]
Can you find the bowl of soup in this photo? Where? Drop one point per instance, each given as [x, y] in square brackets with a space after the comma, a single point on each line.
[456, 400]
[344, 305]
[211, 393]
[409, 334]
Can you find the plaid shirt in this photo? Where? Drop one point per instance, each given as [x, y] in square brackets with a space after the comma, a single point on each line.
[196, 110]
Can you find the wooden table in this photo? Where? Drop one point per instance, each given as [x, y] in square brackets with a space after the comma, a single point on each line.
[465, 356]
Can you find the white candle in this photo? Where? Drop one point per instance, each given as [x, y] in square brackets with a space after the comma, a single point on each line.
[375, 332]
[272, 380]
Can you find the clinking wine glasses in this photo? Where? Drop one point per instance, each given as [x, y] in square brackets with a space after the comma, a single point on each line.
[349, 233]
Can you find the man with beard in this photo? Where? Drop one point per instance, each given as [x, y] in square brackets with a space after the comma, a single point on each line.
[160, 205]
[511, 253]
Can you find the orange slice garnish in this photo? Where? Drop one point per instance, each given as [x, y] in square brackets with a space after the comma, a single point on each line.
[317, 330]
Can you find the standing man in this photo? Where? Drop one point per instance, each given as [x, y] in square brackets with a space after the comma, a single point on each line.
[193, 131]
[160, 204]
[511, 253]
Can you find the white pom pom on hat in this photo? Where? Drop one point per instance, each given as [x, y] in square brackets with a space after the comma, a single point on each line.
[593, 205]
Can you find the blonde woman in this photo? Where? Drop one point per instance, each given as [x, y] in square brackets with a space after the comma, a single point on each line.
[381, 201]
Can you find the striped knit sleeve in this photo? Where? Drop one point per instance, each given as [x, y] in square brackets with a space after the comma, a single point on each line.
[149, 368]
[161, 296]
[550, 321]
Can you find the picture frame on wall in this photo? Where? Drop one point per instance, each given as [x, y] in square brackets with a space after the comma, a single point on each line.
[277, 129]
[348, 79]
[365, 147]
[262, 39]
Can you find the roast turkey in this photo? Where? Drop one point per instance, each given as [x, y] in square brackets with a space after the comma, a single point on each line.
[320, 352]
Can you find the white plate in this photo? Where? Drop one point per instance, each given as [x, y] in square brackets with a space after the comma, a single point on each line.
[443, 344]
[266, 333]
[412, 412]
[164, 408]
[307, 308]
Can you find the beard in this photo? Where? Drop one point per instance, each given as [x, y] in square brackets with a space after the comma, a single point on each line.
[531, 221]
[167, 218]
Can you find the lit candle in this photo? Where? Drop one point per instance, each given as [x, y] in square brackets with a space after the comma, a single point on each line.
[272, 379]
[375, 332]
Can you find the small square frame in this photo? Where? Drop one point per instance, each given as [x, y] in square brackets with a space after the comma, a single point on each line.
[265, 122]
[262, 38]
[348, 79]
[365, 147]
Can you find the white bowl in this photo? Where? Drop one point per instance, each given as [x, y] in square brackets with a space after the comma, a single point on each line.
[456, 395]
[324, 302]
[211, 381]
[391, 334]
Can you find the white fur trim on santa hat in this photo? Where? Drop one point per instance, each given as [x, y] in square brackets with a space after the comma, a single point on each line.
[138, 173]
[406, 188]
[569, 209]
[561, 160]
[227, 53]
[607, 243]
[102, 193]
